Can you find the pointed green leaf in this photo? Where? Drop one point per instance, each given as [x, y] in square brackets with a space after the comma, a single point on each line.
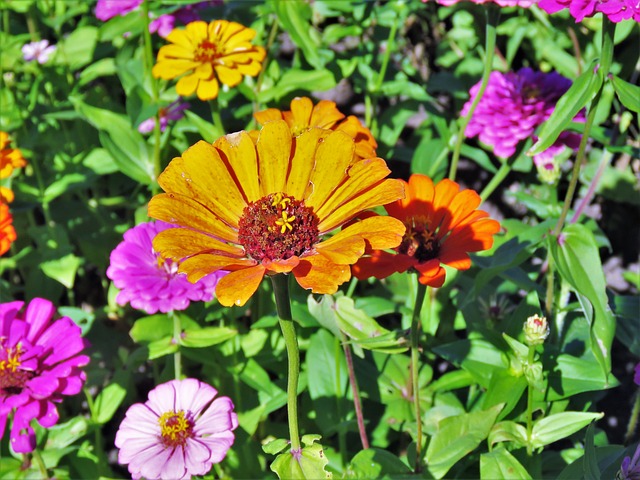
[560, 425]
[375, 463]
[628, 93]
[508, 431]
[308, 463]
[205, 337]
[501, 464]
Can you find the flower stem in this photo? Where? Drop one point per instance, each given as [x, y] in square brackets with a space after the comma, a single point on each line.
[532, 351]
[355, 391]
[177, 333]
[415, 370]
[373, 117]
[217, 119]
[498, 178]
[633, 419]
[41, 466]
[283, 305]
[493, 14]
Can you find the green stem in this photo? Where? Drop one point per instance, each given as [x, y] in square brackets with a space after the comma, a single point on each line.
[549, 293]
[283, 305]
[373, 117]
[493, 14]
[177, 333]
[532, 351]
[217, 119]
[498, 178]
[357, 404]
[415, 370]
[342, 434]
[270, 40]
[41, 466]
[633, 419]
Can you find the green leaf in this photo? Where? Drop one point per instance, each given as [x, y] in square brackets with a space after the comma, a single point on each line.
[309, 463]
[207, 130]
[375, 463]
[591, 470]
[205, 337]
[275, 446]
[508, 431]
[572, 375]
[560, 425]
[577, 97]
[151, 328]
[576, 257]
[76, 50]
[107, 402]
[62, 269]
[628, 93]
[296, 79]
[478, 357]
[501, 464]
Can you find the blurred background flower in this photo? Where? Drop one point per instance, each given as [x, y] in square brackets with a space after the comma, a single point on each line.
[174, 111]
[40, 51]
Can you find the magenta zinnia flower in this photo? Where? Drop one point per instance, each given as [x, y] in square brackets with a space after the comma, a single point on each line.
[40, 362]
[174, 111]
[514, 104]
[616, 10]
[502, 3]
[187, 14]
[149, 282]
[106, 9]
[179, 432]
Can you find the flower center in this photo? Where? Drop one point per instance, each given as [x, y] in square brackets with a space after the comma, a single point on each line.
[175, 428]
[277, 227]
[169, 266]
[419, 241]
[206, 52]
[12, 379]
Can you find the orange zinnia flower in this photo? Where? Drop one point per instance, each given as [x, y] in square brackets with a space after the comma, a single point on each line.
[7, 232]
[442, 226]
[304, 115]
[209, 53]
[10, 158]
[267, 207]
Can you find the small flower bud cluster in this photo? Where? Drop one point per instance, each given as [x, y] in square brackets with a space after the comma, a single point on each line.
[536, 330]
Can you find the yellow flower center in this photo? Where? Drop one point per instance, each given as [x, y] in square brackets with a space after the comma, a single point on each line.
[419, 241]
[12, 379]
[277, 227]
[175, 428]
[206, 52]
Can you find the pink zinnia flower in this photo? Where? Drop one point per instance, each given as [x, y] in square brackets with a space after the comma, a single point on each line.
[40, 51]
[106, 9]
[174, 111]
[40, 362]
[149, 282]
[179, 432]
[502, 3]
[616, 10]
[513, 106]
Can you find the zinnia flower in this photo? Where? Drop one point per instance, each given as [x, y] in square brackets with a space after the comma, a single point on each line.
[636, 377]
[205, 54]
[513, 106]
[265, 208]
[304, 115]
[616, 10]
[40, 362]
[106, 9]
[442, 225]
[502, 3]
[187, 14]
[7, 232]
[10, 158]
[630, 468]
[174, 111]
[182, 430]
[149, 282]
[40, 51]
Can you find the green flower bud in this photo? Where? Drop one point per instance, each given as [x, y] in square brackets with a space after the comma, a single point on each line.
[536, 330]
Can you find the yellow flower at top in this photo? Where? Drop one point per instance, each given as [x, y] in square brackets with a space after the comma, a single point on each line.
[304, 115]
[10, 158]
[270, 206]
[204, 54]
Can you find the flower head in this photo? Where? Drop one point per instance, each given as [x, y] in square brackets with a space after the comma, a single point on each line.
[304, 115]
[10, 159]
[174, 111]
[7, 232]
[630, 468]
[636, 377]
[536, 330]
[148, 281]
[502, 3]
[513, 106]
[40, 362]
[40, 51]
[106, 9]
[442, 225]
[206, 54]
[615, 10]
[267, 207]
[180, 431]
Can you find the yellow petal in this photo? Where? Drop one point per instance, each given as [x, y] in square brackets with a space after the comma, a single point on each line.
[267, 115]
[228, 76]
[236, 34]
[187, 85]
[274, 150]
[179, 243]
[239, 151]
[197, 31]
[237, 287]
[332, 159]
[301, 108]
[186, 212]
[320, 275]
[252, 69]
[302, 163]
[201, 265]
[180, 37]
[208, 89]
[169, 69]
[177, 52]
[343, 251]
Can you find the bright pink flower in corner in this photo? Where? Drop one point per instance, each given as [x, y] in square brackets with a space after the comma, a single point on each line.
[615, 10]
[182, 430]
[40, 362]
[106, 9]
[174, 111]
[147, 281]
[636, 377]
[502, 3]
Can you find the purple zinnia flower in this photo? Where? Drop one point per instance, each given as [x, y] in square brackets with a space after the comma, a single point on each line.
[179, 432]
[514, 104]
[149, 282]
[106, 9]
[636, 377]
[174, 111]
[165, 23]
[630, 468]
[40, 51]
[616, 10]
[40, 362]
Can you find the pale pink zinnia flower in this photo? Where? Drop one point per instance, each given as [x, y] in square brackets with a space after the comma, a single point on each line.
[149, 282]
[40, 51]
[40, 362]
[182, 430]
[106, 9]
[174, 111]
[615, 10]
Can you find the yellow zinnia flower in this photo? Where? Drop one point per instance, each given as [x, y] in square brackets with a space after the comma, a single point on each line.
[305, 115]
[209, 53]
[266, 207]
[10, 158]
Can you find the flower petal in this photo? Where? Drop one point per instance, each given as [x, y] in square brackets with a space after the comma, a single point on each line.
[303, 161]
[200, 265]
[239, 152]
[320, 275]
[274, 150]
[237, 287]
[208, 89]
[179, 243]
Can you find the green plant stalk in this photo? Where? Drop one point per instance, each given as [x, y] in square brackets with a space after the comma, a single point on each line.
[633, 419]
[373, 118]
[270, 40]
[217, 119]
[493, 15]
[532, 351]
[177, 333]
[548, 302]
[99, 443]
[280, 284]
[415, 370]
[498, 178]
[41, 466]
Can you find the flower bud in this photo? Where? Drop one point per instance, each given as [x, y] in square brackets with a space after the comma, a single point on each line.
[536, 330]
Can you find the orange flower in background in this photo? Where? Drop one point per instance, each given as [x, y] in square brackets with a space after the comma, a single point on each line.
[10, 158]
[7, 232]
[266, 207]
[207, 53]
[304, 115]
[442, 226]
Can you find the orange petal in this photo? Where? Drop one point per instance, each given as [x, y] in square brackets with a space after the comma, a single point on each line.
[325, 114]
[301, 108]
[431, 273]
[274, 150]
[445, 192]
[320, 275]
[381, 264]
[281, 266]
[203, 264]
[303, 161]
[267, 115]
[462, 206]
[236, 288]
[239, 151]
[179, 243]
[342, 251]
